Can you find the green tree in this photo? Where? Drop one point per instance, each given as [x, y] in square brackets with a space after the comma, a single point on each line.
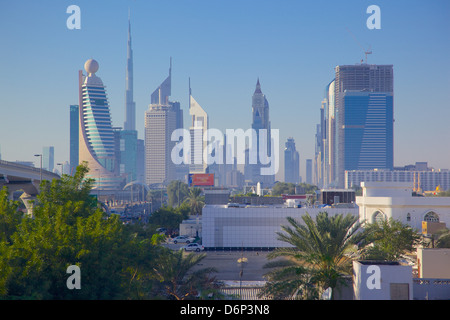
[320, 256]
[283, 188]
[10, 216]
[177, 191]
[390, 240]
[443, 238]
[177, 280]
[195, 200]
[68, 228]
[168, 217]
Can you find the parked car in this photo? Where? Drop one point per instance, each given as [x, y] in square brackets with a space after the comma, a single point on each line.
[183, 239]
[193, 247]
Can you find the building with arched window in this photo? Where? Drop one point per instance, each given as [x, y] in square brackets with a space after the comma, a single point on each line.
[384, 200]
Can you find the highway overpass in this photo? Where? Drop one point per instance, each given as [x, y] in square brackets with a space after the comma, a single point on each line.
[21, 177]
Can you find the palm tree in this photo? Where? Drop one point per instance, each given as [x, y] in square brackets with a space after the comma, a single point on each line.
[195, 200]
[319, 258]
[176, 278]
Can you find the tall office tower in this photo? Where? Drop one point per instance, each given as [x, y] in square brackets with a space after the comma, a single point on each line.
[74, 132]
[260, 120]
[48, 158]
[161, 119]
[309, 171]
[199, 127]
[130, 105]
[291, 162]
[364, 118]
[96, 136]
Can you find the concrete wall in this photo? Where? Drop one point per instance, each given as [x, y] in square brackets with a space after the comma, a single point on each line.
[431, 289]
[382, 281]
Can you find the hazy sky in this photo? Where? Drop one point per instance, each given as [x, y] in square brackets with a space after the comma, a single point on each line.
[223, 46]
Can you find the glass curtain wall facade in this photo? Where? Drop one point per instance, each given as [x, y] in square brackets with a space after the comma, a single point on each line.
[356, 123]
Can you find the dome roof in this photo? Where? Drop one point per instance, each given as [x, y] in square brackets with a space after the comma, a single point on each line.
[91, 66]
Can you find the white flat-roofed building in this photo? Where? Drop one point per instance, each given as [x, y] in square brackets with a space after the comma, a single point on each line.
[256, 227]
[384, 200]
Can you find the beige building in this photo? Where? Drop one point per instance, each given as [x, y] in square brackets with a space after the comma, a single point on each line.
[433, 263]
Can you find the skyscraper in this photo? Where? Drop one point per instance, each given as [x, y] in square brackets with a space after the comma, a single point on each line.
[48, 158]
[199, 127]
[130, 105]
[129, 136]
[291, 162]
[358, 121]
[309, 171]
[96, 136]
[260, 121]
[161, 119]
[74, 132]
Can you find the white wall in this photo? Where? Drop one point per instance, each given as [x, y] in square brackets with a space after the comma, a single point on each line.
[253, 227]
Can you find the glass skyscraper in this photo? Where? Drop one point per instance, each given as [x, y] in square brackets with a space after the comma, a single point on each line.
[357, 122]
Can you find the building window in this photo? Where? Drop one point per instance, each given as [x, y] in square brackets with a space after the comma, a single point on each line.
[408, 217]
[378, 217]
[431, 217]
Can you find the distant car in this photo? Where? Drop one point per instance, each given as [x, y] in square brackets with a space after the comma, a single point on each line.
[161, 230]
[193, 247]
[183, 239]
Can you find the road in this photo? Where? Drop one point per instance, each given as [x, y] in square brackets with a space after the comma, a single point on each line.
[226, 263]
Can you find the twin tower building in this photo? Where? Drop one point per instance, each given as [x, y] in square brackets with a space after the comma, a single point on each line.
[116, 156]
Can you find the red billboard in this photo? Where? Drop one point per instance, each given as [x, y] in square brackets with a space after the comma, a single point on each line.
[201, 179]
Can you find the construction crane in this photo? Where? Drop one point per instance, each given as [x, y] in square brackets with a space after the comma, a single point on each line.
[366, 52]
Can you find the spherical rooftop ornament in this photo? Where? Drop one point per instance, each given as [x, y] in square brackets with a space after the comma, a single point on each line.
[91, 66]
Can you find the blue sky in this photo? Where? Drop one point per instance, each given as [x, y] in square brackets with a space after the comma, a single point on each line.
[223, 46]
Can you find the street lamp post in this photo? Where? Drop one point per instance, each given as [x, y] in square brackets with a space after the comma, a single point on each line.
[242, 262]
[40, 171]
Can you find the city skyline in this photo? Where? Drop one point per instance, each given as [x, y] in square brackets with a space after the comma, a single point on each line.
[223, 47]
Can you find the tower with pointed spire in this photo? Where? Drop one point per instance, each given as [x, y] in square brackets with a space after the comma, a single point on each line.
[130, 105]
[260, 120]
[128, 154]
